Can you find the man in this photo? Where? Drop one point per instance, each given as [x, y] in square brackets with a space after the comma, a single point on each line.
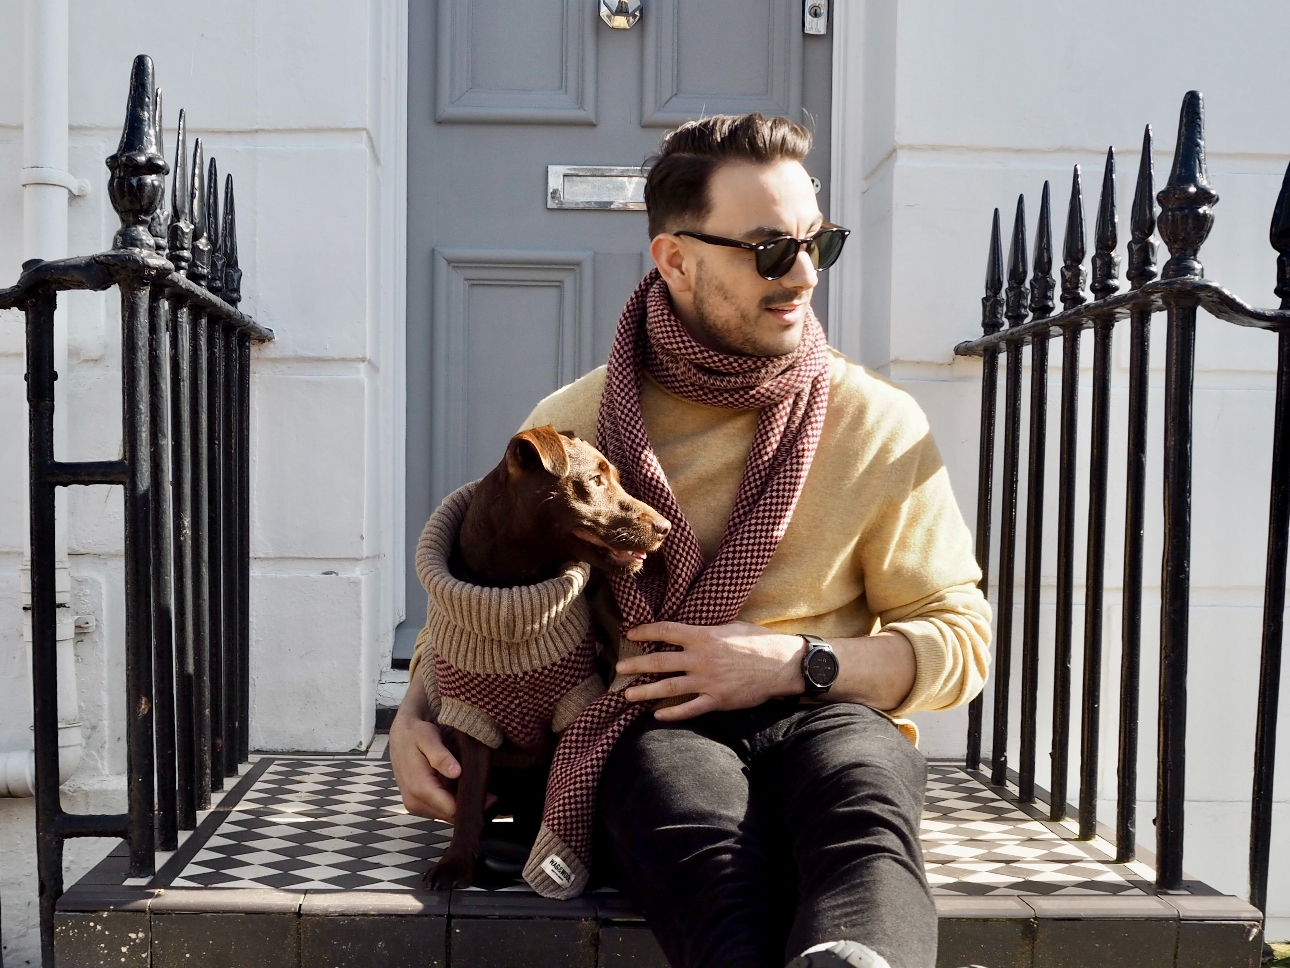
[818, 583]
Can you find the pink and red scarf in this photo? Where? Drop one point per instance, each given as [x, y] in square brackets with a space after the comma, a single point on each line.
[792, 392]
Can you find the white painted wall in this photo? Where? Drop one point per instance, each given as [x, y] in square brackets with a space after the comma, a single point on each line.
[947, 110]
[304, 103]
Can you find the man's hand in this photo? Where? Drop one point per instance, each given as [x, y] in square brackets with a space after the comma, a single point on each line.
[424, 768]
[735, 666]
[739, 666]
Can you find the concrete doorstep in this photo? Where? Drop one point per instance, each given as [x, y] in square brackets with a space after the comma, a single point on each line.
[312, 861]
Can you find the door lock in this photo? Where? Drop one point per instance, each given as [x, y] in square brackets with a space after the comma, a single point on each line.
[815, 17]
[620, 14]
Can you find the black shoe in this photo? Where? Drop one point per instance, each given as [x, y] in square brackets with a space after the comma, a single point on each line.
[840, 954]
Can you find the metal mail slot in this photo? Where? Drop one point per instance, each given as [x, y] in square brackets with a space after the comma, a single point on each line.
[601, 187]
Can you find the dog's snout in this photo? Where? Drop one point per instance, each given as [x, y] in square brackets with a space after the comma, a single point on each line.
[662, 526]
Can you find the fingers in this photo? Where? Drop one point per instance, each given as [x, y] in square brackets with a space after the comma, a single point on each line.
[655, 662]
[673, 632]
[422, 768]
[700, 704]
[662, 689]
[438, 755]
[440, 806]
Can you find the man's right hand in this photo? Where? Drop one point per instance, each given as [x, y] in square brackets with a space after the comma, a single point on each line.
[424, 768]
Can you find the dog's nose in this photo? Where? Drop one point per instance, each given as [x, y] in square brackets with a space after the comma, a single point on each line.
[662, 526]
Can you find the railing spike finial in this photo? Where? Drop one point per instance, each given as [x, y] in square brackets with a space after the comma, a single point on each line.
[228, 247]
[1106, 264]
[1142, 247]
[138, 168]
[160, 220]
[1186, 201]
[992, 301]
[181, 223]
[1279, 234]
[1042, 283]
[200, 267]
[215, 281]
[1016, 293]
[1073, 248]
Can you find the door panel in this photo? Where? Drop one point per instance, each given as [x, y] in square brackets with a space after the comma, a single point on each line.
[499, 61]
[509, 299]
[509, 327]
[755, 63]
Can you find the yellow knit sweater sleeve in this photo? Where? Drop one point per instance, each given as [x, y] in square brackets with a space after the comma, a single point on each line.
[914, 553]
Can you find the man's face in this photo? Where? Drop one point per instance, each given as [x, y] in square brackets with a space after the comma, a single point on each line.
[721, 299]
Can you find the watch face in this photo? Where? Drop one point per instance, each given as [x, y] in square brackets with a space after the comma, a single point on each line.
[822, 667]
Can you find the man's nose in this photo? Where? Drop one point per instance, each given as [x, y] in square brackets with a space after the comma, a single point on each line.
[803, 275]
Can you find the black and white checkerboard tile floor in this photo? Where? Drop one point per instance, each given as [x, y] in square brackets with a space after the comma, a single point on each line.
[318, 825]
[975, 842]
[339, 824]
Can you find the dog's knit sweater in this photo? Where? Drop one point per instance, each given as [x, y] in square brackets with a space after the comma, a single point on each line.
[506, 663]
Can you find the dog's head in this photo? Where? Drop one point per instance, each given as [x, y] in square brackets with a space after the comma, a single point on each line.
[573, 493]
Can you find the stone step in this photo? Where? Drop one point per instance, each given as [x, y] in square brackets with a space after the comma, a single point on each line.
[312, 861]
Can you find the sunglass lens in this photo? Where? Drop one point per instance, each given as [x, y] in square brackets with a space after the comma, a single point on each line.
[777, 258]
[827, 247]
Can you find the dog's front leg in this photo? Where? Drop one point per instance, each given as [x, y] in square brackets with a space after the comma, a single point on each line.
[456, 868]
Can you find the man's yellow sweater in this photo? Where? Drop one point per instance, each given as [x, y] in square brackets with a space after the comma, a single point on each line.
[876, 540]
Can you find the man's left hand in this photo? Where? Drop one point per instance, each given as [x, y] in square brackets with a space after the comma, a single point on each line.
[735, 666]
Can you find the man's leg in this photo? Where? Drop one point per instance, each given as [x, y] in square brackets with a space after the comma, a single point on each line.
[850, 789]
[689, 847]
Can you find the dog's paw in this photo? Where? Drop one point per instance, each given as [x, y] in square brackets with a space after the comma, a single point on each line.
[452, 870]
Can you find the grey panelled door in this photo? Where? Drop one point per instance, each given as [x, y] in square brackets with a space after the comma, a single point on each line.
[508, 298]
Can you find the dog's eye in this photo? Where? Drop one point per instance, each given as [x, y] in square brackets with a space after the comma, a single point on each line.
[598, 480]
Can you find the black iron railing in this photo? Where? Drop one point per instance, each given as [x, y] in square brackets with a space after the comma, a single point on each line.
[1184, 220]
[185, 469]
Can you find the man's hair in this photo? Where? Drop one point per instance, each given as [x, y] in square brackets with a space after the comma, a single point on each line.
[676, 188]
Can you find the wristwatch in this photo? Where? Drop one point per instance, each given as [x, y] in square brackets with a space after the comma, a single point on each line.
[819, 666]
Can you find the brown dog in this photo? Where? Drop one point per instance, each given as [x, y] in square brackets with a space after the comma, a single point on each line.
[553, 499]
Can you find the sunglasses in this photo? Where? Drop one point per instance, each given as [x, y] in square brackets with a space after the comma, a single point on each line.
[775, 257]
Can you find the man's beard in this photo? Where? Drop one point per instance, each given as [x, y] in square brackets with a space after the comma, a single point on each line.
[728, 328]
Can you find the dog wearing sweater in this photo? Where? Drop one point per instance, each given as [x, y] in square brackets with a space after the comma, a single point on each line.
[505, 562]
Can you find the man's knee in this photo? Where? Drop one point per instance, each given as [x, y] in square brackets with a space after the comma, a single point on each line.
[856, 746]
[665, 773]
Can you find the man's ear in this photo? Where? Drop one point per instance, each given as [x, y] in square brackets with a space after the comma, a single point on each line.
[665, 249]
[540, 445]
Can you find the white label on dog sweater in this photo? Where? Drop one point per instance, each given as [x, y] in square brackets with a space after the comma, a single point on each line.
[558, 871]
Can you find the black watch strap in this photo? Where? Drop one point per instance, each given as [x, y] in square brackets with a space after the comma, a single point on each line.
[819, 666]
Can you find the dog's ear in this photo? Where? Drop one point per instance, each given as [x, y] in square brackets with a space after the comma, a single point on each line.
[569, 433]
[540, 445]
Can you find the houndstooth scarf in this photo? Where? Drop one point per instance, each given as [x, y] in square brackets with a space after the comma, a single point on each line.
[792, 392]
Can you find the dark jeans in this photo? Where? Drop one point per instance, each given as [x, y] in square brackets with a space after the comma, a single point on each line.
[746, 837]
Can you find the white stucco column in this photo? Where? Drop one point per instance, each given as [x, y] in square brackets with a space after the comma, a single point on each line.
[46, 184]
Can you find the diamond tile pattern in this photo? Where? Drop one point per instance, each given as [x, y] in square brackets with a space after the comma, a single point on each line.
[320, 824]
[976, 843]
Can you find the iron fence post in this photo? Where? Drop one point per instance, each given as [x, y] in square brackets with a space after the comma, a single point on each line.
[1073, 252]
[40, 376]
[1106, 270]
[1142, 262]
[1186, 217]
[991, 322]
[1041, 307]
[1265, 737]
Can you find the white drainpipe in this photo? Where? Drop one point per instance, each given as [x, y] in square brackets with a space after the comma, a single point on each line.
[46, 184]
